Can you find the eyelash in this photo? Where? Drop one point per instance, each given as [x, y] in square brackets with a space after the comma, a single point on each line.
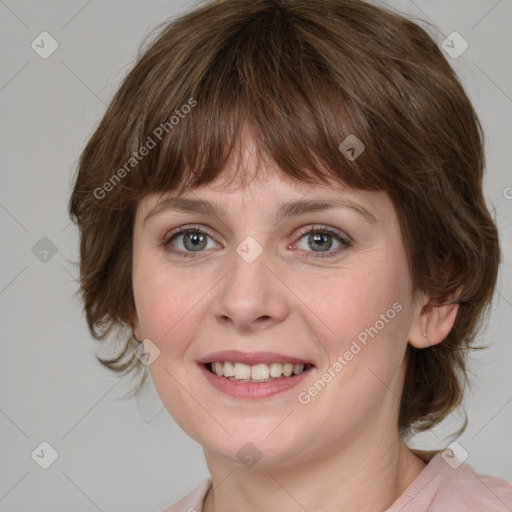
[345, 242]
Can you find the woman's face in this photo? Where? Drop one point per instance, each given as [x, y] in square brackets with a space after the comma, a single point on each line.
[255, 279]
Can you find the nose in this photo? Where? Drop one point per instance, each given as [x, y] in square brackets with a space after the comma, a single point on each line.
[251, 295]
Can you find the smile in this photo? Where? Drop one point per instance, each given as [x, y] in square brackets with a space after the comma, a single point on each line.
[252, 379]
[260, 372]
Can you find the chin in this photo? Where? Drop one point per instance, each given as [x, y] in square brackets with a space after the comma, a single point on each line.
[250, 449]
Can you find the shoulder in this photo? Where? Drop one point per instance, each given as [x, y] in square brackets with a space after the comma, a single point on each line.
[448, 484]
[463, 486]
[193, 501]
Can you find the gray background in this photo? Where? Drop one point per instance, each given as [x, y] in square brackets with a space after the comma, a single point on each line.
[51, 387]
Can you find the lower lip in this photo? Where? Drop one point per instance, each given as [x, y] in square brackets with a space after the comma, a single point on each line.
[253, 389]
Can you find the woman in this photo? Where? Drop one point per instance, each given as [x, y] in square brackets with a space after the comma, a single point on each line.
[283, 208]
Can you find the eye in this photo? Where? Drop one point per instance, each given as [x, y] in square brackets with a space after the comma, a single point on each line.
[321, 237]
[188, 239]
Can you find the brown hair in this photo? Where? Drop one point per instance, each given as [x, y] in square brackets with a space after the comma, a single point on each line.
[301, 75]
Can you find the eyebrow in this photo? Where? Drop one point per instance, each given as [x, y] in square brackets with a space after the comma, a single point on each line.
[288, 209]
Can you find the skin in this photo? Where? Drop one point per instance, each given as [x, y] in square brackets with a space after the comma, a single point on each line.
[340, 451]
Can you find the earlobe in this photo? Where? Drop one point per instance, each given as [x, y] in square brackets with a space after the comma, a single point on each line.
[434, 321]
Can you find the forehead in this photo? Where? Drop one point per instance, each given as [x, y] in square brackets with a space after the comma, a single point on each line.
[247, 171]
[251, 180]
[235, 184]
[272, 196]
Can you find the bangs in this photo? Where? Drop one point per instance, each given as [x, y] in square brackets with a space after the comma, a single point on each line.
[263, 82]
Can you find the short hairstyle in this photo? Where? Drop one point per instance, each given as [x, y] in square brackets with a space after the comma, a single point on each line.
[300, 76]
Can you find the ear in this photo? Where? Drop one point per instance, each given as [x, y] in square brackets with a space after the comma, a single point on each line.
[433, 320]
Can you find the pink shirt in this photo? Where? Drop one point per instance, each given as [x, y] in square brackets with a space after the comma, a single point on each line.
[438, 488]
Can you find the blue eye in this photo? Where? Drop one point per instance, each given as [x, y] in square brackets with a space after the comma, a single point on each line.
[195, 239]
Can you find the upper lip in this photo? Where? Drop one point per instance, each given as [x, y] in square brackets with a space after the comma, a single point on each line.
[251, 358]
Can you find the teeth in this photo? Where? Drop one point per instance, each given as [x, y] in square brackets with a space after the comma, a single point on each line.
[229, 369]
[287, 369]
[242, 371]
[257, 372]
[260, 372]
[276, 369]
[218, 368]
[298, 368]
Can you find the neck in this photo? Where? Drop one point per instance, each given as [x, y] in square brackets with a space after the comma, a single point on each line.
[369, 474]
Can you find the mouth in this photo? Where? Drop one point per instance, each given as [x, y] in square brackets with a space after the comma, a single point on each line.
[255, 375]
[261, 372]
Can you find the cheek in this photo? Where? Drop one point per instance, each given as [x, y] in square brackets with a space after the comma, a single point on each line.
[364, 316]
[354, 300]
[163, 300]
[166, 304]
